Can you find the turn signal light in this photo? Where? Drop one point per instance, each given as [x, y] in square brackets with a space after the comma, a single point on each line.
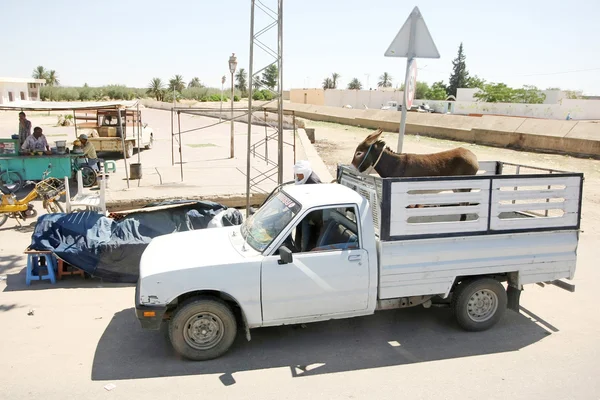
[149, 313]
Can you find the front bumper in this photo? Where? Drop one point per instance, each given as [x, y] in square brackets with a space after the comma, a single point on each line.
[150, 316]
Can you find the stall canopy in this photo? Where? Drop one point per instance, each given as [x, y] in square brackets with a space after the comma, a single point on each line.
[68, 105]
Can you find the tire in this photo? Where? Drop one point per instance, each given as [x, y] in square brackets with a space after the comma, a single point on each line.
[205, 314]
[11, 180]
[151, 143]
[88, 176]
[3, 218]
[128, 149]
[53, 207]
[479, 304]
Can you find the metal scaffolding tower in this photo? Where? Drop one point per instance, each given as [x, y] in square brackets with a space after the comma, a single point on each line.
[270, 17]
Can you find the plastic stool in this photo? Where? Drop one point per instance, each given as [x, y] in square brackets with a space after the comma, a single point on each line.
[64, 270]
[34, 266]
[110, 166]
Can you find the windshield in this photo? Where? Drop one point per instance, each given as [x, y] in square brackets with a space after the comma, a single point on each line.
[260, 229]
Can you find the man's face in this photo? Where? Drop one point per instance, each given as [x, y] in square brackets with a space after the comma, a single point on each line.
[83, 141]
[21, 117]
[37, 133]
[300, 176]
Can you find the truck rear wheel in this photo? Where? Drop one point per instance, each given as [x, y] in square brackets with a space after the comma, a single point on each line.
[479, 304]
[203, 328]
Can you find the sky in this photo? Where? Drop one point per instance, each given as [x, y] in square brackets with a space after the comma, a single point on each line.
[545, 43]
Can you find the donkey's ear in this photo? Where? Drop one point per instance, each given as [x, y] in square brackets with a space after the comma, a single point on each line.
[373, 137]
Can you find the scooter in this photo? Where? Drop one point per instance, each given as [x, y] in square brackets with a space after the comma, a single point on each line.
[49, 189]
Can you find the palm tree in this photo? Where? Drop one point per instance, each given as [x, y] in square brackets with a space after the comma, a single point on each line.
[385, 80]
[328, 83]
[242, 82]
[177, 83]
[355, 84]
[156, 88]
[334, 80]
[52, 78]
[195, 82]
[39, 72]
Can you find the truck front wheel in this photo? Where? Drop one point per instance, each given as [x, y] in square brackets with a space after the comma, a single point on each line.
[479, 304]
[202, 328]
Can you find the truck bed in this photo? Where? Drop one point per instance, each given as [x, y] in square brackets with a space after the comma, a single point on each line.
[519, 219]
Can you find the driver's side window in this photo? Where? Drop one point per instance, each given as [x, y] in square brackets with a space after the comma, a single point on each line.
[325, 230]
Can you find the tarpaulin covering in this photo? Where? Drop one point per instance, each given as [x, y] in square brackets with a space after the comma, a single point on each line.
[111, 249]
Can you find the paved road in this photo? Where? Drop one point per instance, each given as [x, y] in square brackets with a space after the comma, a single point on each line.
[83, 335]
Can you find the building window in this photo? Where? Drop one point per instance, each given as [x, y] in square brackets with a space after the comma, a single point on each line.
[22, 95]
[10, 96]
[33, 95]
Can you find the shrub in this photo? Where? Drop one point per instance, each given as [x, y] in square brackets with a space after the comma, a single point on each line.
[258, 95]
[236, 98]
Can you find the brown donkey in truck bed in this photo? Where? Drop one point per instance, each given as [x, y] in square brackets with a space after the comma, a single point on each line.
[372, 152]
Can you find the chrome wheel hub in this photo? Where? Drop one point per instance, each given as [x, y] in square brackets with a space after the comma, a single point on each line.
[482, 305]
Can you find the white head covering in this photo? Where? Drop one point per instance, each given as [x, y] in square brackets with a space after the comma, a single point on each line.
[302, 167]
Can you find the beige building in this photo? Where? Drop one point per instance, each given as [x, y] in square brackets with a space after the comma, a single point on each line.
[13, 90]
[308, 96]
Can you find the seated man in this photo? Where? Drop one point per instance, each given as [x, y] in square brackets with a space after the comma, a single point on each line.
[89, 151]
[36, 142]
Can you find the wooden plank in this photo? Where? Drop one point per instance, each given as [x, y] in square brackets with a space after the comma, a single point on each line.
[554, 181]
[569, 219]
[535, 195]
[400, 228]
[405, 199]
[480, 210]
[569, 206]
[403, 187]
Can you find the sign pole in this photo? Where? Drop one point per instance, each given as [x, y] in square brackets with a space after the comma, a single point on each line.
[409, 59]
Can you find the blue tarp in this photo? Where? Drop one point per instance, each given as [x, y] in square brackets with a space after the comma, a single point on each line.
[111, 249]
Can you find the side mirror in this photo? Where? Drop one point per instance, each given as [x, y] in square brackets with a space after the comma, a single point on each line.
[285, 256]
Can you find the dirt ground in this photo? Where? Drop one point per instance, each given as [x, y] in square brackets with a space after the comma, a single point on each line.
[336, 143]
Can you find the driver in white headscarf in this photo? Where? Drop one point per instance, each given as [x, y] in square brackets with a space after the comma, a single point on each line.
[303, 173]
[309, 228]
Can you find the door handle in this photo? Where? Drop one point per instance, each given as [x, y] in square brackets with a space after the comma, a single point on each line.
[355, 257]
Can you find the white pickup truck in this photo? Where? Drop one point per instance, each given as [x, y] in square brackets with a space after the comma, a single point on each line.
[327, 251]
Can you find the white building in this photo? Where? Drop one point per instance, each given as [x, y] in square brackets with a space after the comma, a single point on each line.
[20, 89]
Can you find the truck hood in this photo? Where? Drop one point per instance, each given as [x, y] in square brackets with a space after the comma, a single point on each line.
[194, 249]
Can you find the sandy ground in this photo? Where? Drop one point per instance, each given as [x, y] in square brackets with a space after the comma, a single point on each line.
[83, 335]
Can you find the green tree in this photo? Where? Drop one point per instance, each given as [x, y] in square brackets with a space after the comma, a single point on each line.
[437, 91]
[328, 83]
[460, 75]
[177, 83]
[334, 80]
[421, 90]
[52, 78]
[156, 89]
[475, 82]
[529, 94]
[355, 84]
[385, 80]
[270, 76]
[39, 73]
[241, 78]
[495, 93]
[195, 83]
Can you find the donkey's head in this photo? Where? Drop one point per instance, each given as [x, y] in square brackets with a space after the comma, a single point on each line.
[368, 151]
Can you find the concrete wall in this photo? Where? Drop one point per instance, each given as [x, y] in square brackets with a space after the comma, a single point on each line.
[308, 96]
[466, 94]
[579, 109]
[371, 99]
[580, 138]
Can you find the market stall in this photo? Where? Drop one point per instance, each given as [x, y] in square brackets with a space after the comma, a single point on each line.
[17, 167]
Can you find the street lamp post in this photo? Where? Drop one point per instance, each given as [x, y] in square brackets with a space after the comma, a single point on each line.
[221, 107]
[232, 67]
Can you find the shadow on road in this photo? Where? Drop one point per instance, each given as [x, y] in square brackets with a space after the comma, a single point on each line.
[391, 338]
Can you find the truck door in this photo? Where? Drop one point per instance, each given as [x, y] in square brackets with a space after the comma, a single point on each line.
[329, 273]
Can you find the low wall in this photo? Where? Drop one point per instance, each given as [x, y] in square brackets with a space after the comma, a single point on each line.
[578, 138]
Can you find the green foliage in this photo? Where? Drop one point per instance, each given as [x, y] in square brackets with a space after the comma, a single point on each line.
[501, 93]
[475, 82]
[195, 83]
[385, 80]
[269, 76]
[241, 78]
[421, 90]
[177, 83]
[236, 98]
[258, 95]
[156, 89]
[194, 93]
[39, 73]
[460, 75]
[334, 79]
[437, 91]
[328, 83]
[355, 84]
